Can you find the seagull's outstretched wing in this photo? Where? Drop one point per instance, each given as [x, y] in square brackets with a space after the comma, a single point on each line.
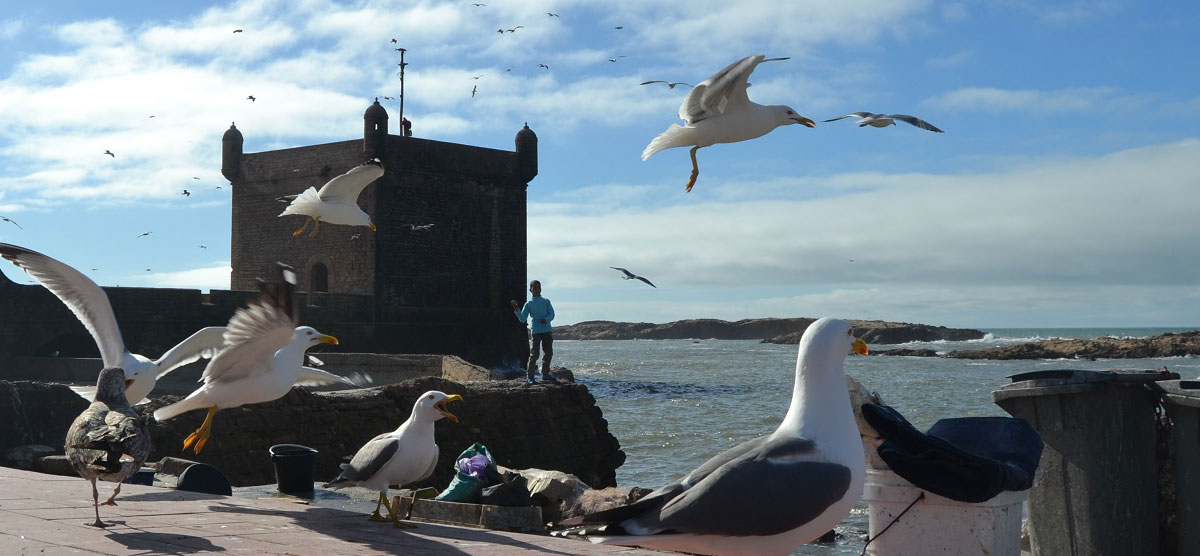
[646, 281]
[79, 293]
[851, 115]
[723, 93]
[204, 344]
[316, 377]
[257, 331]
[628, 275]
[346, 187]
[915, 121]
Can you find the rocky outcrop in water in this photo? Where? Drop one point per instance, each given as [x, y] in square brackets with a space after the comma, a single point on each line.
[773, 330]
[1166, 345]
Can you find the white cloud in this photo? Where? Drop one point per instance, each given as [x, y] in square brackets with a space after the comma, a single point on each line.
[11, 28]
[952, 60]
[1063, 100]
[215, 277]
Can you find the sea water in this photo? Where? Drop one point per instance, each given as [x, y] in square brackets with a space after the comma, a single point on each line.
[674, 403]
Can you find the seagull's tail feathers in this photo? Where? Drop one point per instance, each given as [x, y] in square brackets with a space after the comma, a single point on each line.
[180, 407]
[305, 203]
[674, 136]
[86, 392]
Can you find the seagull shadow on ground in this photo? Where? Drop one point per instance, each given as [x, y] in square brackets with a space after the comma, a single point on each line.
[162, 543]
[355, 528]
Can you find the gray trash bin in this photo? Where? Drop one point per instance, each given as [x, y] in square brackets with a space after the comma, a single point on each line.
[1098, 491]
[1181, 399]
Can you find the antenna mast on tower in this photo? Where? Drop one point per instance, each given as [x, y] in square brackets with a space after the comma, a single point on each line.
[402, 65]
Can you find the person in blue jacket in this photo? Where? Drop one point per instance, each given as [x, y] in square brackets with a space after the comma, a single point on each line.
[542, 312]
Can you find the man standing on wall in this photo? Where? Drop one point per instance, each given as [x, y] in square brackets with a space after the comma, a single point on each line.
[542, 312]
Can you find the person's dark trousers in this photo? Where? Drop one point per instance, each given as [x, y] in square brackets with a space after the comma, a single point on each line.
[542, 341]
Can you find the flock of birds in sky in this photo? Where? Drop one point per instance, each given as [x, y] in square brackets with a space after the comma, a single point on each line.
[813, 461]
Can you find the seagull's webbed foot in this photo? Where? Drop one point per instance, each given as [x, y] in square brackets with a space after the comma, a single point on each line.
[112, 500]
[96, 506]
[382, 501]
[695, 169]
[200, 437]
[297, 233]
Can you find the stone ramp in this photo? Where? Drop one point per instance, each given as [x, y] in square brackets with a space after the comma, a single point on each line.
[49, 514]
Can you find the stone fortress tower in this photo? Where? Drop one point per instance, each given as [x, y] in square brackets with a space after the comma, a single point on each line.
[406, 288]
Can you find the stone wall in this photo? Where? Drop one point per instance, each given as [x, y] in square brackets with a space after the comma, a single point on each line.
[547, 427]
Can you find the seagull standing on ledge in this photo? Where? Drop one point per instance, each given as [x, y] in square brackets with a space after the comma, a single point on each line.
[405, 455]
[337, 201]
[768, 495]
[718, 111]
[263, 359]
[884, 120]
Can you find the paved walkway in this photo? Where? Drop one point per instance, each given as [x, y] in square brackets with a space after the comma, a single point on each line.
[49, 514]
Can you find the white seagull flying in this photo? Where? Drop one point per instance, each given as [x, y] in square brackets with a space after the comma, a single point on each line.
[263, 358]
[337, 201]
[768, 495]
[718, 111]
[884, 120]
[403, 456]
[90, 305]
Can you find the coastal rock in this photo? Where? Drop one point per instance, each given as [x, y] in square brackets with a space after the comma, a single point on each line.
[907, 352]
[1165, 345]
[548, 427]
[769, 330]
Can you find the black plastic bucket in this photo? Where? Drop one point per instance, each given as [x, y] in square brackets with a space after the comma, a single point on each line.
[295, 468]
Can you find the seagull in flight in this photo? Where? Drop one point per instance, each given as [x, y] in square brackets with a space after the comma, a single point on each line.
[473, 91]
[237, 30]
[337, 201]
[551, 14]
[718, 111]
[543, 66]
[514, 29]
[143, 234]
[884, 120]
[91, 306]
[187, 193]
[11, 221]
[251, 98]
[631, 276]
[109, 153]
[670, 84]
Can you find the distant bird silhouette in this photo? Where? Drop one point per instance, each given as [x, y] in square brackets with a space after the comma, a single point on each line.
[419, 227]
[147, 270]
[187, 193]
[509, 69]
[109, 441]
[476, 76]
[195, 178]
[218, 187]
[615, 59]
[473, 91]
[884, 120]
[355, 236]
[393, 41]
[478, 5]
[251, 98]
[551, 14]
[237, 30]
[543, 66]
[501, 31]
[388, 98]
[109, 153]
[203, 247]
[619, 27]
[631, 276]
[143, 234]
[151, 115]
[11, 221]
[514, 29]
[670, 84]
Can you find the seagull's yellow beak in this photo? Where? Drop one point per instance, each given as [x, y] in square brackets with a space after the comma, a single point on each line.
[327, 339]
[805, 121]
[859, 347]
[441, 406]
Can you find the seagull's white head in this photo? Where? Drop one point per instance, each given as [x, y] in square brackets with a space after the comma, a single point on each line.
[786, 116]
[309, 337]
[432, 405]
[829, 341]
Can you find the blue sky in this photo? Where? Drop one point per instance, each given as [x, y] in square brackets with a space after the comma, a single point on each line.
[1063, 193]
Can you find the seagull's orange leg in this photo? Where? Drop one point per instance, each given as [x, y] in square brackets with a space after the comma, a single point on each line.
[307, 219]
[316, 226]
[112, 500]
[695, 169]
[200, 437]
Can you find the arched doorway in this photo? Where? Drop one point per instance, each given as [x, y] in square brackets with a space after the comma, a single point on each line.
[318, 278]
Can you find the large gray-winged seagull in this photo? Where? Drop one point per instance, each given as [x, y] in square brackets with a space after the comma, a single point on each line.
[718, 111]
[768, 495]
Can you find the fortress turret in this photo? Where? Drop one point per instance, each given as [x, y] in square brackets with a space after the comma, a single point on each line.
[375, 130]
[231, 153]
[527, 156]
